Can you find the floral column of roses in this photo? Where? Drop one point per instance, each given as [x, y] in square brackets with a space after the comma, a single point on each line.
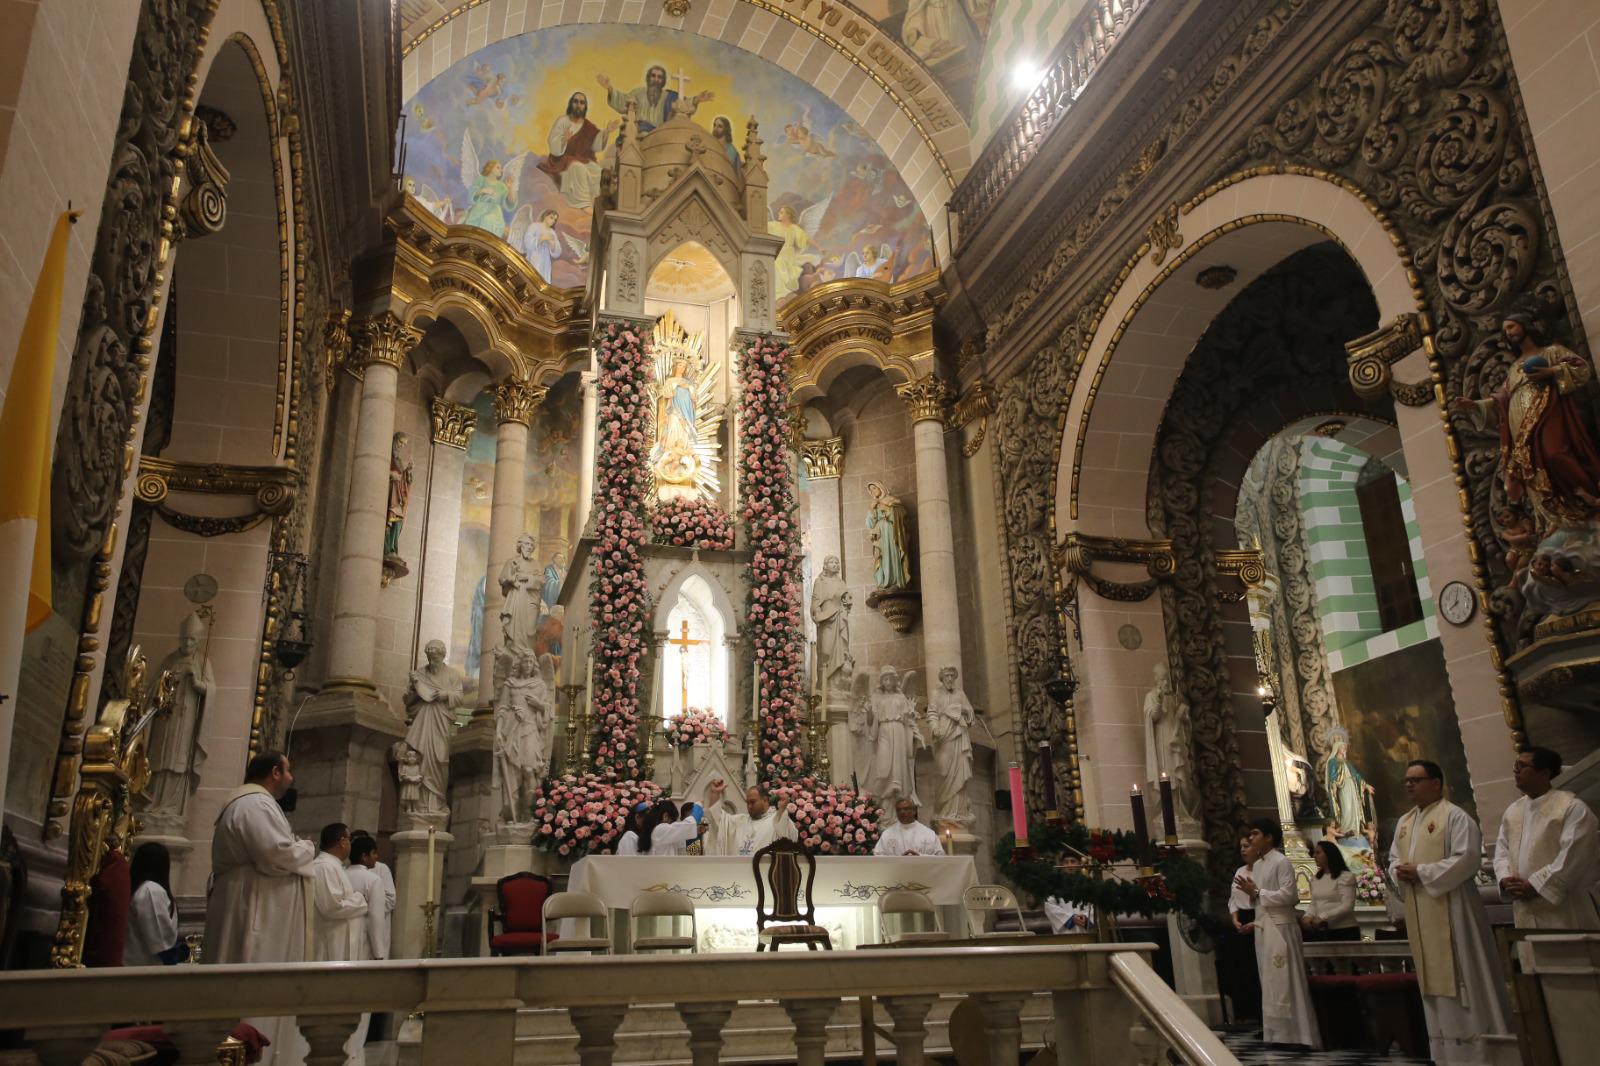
[619, 598]
[766, 494]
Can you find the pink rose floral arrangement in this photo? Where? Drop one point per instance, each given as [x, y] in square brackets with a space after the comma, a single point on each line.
[692, 523]
[695, 726]
[619, 599]
[577, 814]
[766, 490]
[831, 819]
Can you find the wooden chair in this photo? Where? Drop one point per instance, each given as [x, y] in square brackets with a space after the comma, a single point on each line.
[901, 902]
[668, 905]
[579, 906]
[520, 919]
[786, 922]
[981, 900]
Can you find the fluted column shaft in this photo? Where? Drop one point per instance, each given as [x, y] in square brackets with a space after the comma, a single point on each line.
[514, 403]
[941, 618]
[590, 387]
[452, 426]
[381, 345]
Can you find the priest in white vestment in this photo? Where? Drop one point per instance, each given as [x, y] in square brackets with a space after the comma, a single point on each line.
[1287, 1014]
[1437, 850]
[733, 833]
[907, 836]
[1547, 858]
[257, 909]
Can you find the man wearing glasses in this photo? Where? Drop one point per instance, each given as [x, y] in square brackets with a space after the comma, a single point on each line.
[1437, 850]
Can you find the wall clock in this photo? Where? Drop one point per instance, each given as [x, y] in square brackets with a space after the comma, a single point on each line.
[1457, 603]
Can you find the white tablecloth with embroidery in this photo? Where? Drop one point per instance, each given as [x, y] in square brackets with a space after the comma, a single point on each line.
[727, 881]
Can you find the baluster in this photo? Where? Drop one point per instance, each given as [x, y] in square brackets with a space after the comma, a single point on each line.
[1002, 1018]
[597, 1033]
[909, 1035]
[327, 1035]
[810, 1018]
[705, 1022]
[64, 1047]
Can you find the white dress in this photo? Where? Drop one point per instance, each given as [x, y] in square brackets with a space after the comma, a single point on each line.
[1287, 1015]
[629, 844]
[1333, 899]
[152, 927]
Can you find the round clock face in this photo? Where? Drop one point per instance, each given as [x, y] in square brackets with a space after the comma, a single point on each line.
[200, 588]
[1457, 602]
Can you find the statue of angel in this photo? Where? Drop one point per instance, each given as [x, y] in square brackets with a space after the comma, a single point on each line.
[891, 762]
[524, 730]
[491, 187]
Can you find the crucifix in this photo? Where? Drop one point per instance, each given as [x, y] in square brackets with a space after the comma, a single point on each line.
[681, 77]
[683, 644]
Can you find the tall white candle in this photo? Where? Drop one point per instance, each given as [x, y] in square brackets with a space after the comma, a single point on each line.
[430, 863]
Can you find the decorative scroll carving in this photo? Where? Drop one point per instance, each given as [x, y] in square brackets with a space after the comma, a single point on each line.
[628, 274]
[204, 209]
[1162, 235]
[925, 398]
[1372, 356]
[975, 405]
[272, 488]
[452, 423]
[823, 459]
[1077, 553]
[758, 290]
[336, 347]
[514, 401]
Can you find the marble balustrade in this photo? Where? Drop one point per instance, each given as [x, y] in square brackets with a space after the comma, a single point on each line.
[1108, 1004]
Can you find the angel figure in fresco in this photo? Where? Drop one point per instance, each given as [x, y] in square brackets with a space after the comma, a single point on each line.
[536, 239]
[798, 135]
[491, 188]
[438, 206]
[797, 232]
[888, 717]
[485, 88]
[874, 261]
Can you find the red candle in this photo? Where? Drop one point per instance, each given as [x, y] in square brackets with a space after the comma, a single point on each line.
[1141, 831]
[1019, 806]
[1169, 820]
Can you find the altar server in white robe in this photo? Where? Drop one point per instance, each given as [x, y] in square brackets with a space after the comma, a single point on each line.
[733, 833]
[907, 836]
[362, 873]
[257, 910]
[1437, 850]
[1287, 1014]
[339, 933]
[1547, 858]
[666, 831]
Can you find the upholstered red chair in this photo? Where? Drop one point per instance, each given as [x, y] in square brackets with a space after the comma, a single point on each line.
[517, 928]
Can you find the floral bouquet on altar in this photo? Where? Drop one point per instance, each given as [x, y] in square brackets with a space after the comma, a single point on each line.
[691, 523]
[1369, 886]
[831, 819]
[693, 727]
[576, 814]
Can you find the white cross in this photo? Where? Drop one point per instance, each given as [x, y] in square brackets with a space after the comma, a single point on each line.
[680, 78]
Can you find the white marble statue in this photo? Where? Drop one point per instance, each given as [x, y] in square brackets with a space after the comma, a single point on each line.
[522, 585]
[176, 749]
[830, 610]
[524, 730]
[431, 702]
[950, 718]
[1166, 745]
[893, 740]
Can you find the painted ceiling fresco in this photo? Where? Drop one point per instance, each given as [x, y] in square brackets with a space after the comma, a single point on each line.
[500, 141]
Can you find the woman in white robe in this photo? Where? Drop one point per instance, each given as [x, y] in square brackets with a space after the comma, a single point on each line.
[665, 833]
[1287, 1014]
[152, 919]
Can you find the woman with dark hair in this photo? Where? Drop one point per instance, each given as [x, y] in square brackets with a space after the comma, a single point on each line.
[665, 832]
[1287, 1014]
[628, 843]
[152, 918]
[1332, 915]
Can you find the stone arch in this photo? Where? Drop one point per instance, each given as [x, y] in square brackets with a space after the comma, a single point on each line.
[921, 132]
[484, 339]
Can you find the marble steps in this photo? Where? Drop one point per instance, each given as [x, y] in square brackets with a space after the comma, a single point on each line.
[756, 1033]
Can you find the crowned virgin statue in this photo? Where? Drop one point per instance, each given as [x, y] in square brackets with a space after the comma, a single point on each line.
[683, 459]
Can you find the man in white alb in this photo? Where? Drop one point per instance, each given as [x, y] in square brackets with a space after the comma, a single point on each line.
[339, 934]
[362, 873]
[1287, 1013]
[732, 833]
[1547, 858]
[907, 836]
[258, 907]
[1436, 853]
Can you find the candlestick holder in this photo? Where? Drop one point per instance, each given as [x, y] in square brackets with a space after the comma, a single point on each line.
[570, 694]
[1022, 851]
[430, 946]
[1055, 819]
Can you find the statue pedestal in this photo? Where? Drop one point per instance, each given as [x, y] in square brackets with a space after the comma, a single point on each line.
[413, 887]
[341, 758]
[1194, 974]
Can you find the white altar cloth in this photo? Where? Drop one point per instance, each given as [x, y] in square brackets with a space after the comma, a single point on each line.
[846, 892]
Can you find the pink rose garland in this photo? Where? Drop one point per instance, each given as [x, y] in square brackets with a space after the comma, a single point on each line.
[694, 726]
[832, 820]
[692, 523]
[577, 814]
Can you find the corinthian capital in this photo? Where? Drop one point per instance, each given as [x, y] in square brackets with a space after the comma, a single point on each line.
[383, 339]
[453, 423]
[515, 400]
[823, 459]
[925, 397]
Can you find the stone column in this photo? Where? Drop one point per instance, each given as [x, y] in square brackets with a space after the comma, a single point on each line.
[514, 402]
[381, 345]
[589, 385]
[452, 425]
[823, 461]
[941, 622]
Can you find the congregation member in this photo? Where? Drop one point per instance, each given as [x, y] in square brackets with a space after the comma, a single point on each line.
[667, 832]
[337, 933]
[907, 836]
[735, 833]
[152, 916]
[628, 844]
[1547, 857]
[1436, 853]
[1287, 1014]
[1238, 953]
[258, 909]
[1332, 914]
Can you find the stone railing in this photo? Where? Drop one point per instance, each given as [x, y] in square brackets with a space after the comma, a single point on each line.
[1104, 1001]
[1086, 43]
